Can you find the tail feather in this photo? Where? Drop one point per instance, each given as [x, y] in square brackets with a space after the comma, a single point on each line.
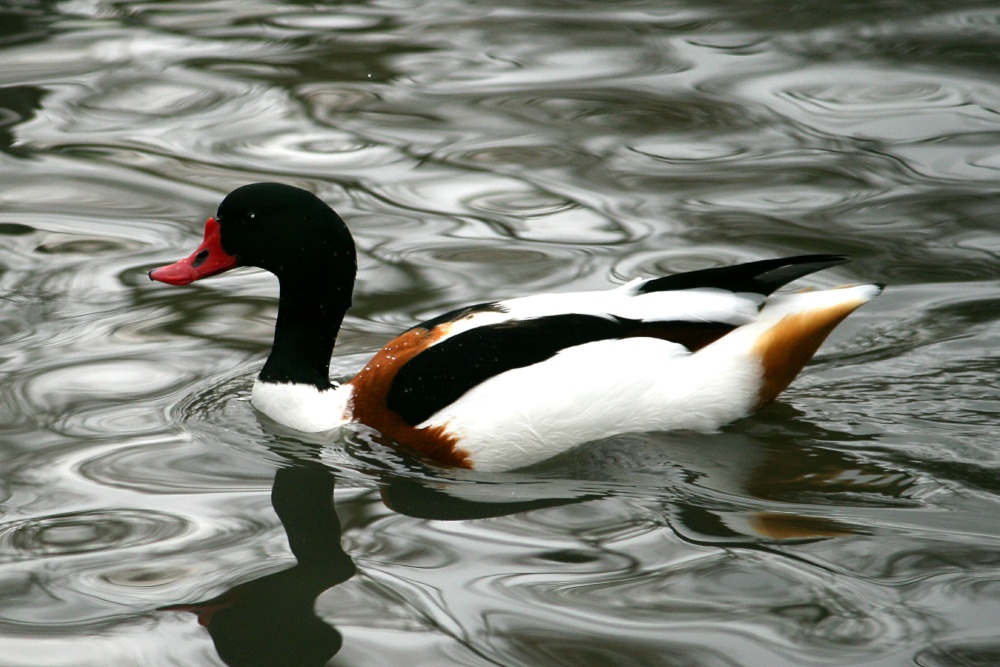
[761, 277]
[794, 328]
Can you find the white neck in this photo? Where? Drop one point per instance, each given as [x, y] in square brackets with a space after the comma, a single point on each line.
[303, 407]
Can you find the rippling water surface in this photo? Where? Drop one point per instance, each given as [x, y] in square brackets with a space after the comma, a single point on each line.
[483, 150]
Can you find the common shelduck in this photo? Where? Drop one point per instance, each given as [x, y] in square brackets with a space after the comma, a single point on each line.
[505, 384]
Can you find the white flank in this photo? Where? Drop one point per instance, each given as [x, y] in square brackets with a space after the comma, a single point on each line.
[597, 390]
[303, 407]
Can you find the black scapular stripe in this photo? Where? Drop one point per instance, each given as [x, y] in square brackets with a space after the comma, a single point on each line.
[761, 277]
[442, 373]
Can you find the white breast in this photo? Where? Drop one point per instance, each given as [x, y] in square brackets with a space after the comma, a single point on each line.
[303, 407]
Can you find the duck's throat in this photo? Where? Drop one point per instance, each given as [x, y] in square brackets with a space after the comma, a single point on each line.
[304, 336]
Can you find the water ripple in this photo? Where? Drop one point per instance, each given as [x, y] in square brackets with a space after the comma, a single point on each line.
[879, 105]
[964, 653]
[86, 532]
[172, 467]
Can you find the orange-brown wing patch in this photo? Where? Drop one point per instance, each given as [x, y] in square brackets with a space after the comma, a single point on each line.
[786, 347]
[371, 387]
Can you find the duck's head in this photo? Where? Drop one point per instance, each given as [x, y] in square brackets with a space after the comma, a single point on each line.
[280, 228]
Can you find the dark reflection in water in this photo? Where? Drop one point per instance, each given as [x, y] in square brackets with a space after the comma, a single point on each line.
[17, 104]
[26, 21]
[272, 620]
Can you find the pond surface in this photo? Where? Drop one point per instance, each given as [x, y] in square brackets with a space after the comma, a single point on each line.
[481, 150]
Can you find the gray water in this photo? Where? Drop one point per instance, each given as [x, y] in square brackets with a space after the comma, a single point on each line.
[479, 151]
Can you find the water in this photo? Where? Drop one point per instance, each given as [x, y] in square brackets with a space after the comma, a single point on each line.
[479, 151]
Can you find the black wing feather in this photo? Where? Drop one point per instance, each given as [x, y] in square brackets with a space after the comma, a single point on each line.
[761, 277]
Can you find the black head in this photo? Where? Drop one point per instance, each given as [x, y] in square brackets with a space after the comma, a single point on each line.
[283, 229]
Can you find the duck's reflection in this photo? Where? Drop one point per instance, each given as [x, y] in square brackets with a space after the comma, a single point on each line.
[272, 621]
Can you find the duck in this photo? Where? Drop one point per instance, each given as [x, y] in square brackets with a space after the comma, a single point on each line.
[506, 384]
